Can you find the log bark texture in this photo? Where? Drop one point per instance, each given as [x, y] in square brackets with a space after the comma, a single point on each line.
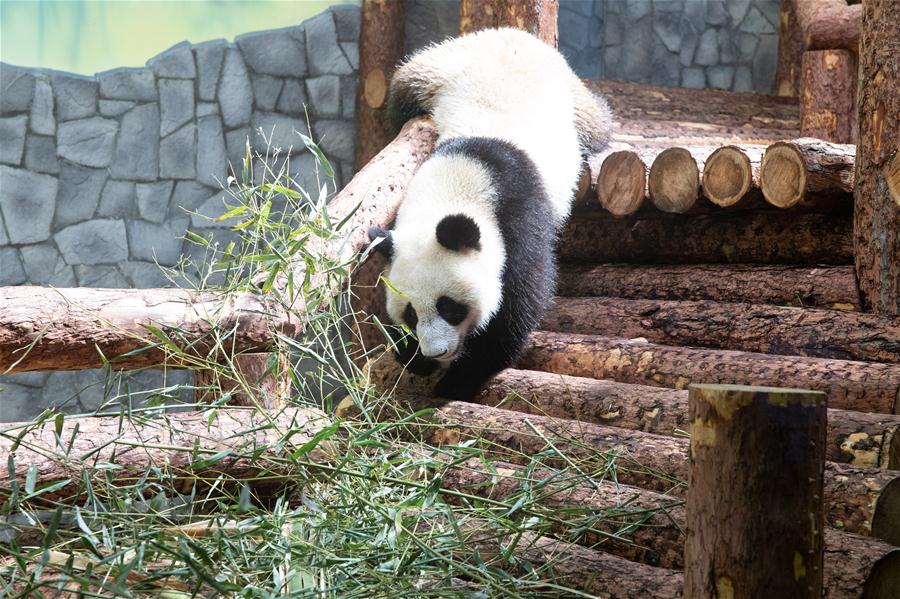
[730, 173]
[790, 50]
[799, 286]
[749, 327]
[263, 380]
[829, 24]
[381, 46]
[733, 510]
[861, 386]
[797, 171]
[877, 195]
[537, 17]
[828, 98]
[763, 237]
[622, 183]
[67, 329]
[178, 443]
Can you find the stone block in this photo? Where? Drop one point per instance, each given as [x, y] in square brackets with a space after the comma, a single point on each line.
[153, 200]
[101, 276]
[12, 139]
[11, 271]
[348, 97]
[668, 27]
[637, 9]
[235, 92]
[277, 131]
[29, 379]
[75, 96]
[716, 14]
[728, 50]
[347, 21]
[771, 9]
[336, 138]
[695, 11]
[74, 392]
[351, 51]
[755, 22]
[40, 154]
[636, 60]
[176, 104]
[582, 8]
[144, 275]
[324, 95]
[117, 199]
[747, 43]
[612, 30]
[188, 195]
[99, 241]
[278, 52]
[211, 209]
[88, 141]
[708, 49]
[206, 109]
[293, 97]
[79, 193]
[737, 9]
[595, 37]
[128, 84]
[44, 265]
[323, 52]
[573, 29]
[666, 6]
[764, 63]
[137, 150]
[665, 70]
[115, 107]
[236, 147]
[265, 91]
[693, 77]
[42, 119]
[27, 201]
[720, 76]
[17, 87]
[4, 238]
[177, 62]
[160, 243]
[743, 80]
[212, 159]
[177, 153]
[689, 40]
[611, 58]
[19, 405]
[209, 57]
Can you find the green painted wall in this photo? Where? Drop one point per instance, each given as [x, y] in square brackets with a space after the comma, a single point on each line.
[88, 36]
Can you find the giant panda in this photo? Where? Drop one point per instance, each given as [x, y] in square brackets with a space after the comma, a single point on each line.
[471, 255]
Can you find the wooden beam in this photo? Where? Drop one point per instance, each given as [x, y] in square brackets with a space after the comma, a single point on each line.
[790, 48]
[829, 24]
[537, 17]
[795, 172]
[829, 79]
[876, 223]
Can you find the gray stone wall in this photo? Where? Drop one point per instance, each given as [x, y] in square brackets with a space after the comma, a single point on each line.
[101, 177]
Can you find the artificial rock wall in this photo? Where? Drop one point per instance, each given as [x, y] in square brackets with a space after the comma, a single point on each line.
[101, 177]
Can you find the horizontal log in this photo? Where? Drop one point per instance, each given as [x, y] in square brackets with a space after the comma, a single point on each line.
[177, 443]
[857, 438]
[800, 286]
[730, 173]
[69, 329]
[761, 237]
[674, 180]
[829, 24]
[622, 183]
[850, 385]
[852, 562]
[750, 327]
[794, 172]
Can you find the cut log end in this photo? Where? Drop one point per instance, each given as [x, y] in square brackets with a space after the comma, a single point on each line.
[674, 181]
[783, 175]
[622, 183]
[886, 519]
[727, 176]
[884, 579]
[375, 88]
[892, 176]
[584, 184]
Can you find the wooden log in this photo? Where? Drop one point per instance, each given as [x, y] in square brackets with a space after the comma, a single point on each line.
[730, 173]
[733, 510]
[179, 444]
[263, 380]
[763, 237]
[585, 187]
[792, 172]
[800, 286]
[852, 563]
[537, 17]
[622, 183]
[72, 329]
[381, 46]
[790, 49]
[829, 24]
[750, 327]
[828, 98]
[674, 181]
[860, 386]
[877, 196]
[858, 500]
[856, 438]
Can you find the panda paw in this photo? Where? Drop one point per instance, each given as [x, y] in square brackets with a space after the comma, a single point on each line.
[455, 390]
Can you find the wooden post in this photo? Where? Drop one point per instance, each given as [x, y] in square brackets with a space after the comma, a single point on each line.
[381, 45]
[754, 501]
[876, 222]
[790, 47]
[828, 96]
[537, 17]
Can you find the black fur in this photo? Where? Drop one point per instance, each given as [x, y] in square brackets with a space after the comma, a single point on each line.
[526, 220]
[403, 104]
[386, 246]
[458, 232]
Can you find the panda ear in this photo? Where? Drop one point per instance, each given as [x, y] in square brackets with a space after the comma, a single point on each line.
[385, 246]
[459, 232]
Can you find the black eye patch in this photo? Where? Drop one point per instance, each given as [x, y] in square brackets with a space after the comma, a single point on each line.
[410, 318]
[451, 310]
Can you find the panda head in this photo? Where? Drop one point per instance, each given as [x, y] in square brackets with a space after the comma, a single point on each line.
[446, 257]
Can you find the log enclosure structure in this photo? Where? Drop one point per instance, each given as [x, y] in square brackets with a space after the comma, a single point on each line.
[718, 241]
